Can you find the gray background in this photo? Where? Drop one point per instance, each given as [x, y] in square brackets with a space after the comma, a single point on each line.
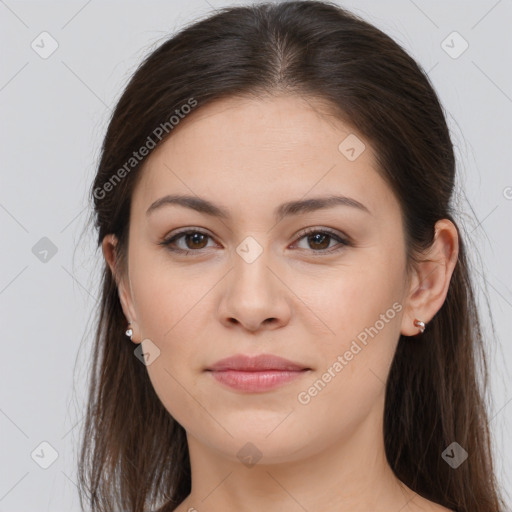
[54, 112]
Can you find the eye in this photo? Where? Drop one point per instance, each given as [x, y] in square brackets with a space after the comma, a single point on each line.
[318, 240]
[192, 238]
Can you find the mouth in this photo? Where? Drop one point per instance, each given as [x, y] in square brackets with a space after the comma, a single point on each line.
[261, 362]
[256, 373]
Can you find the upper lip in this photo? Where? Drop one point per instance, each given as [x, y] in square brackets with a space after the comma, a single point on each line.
[261, 362]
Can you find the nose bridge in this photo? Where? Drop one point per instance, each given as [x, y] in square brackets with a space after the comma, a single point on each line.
[251, 273]
[253, 294]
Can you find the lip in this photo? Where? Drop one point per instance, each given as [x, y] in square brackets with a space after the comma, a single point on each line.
[260, 362]
[256, 373]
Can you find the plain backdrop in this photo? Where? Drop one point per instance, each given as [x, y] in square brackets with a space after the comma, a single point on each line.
[54, 108]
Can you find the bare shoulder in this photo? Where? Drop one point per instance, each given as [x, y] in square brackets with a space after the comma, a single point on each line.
[424, 505]
[418, 503]
[440, 508]
[184, 506]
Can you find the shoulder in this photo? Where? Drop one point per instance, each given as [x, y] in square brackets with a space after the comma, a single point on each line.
[435, 507]
[421, 504]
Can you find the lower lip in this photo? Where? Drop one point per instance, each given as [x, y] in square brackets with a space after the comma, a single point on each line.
[257, 380]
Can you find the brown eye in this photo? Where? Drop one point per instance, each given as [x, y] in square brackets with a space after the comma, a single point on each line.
[319, 241]
[195, 240]
[192, 240]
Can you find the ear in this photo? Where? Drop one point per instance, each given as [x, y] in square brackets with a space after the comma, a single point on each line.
[109, 244]
[431, 278]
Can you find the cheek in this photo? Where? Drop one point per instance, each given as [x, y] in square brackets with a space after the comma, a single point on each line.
[362, 308]
[355, 299]
[171, 300]
[364, 312]
[170, 307]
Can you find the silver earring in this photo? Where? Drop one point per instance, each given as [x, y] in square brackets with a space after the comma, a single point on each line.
[129, 331]
[419, 324]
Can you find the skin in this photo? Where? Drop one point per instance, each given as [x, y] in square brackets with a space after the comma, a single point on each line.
[250, 155]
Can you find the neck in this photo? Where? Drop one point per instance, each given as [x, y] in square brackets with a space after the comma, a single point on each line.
[351, 475]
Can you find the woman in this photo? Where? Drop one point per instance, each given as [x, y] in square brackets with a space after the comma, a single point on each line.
[287, 319]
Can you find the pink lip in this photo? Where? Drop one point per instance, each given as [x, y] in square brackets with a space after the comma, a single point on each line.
[257, 373]
[257, 363]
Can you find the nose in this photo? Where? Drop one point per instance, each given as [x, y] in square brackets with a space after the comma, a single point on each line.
[254, 296]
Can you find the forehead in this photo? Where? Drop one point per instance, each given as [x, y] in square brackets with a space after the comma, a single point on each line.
[246, 151]
[291, 127]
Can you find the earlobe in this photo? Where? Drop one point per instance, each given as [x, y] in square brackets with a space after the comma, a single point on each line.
[129, 313]
[432, 279]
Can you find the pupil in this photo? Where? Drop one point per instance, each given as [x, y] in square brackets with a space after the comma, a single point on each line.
[195, 237]
[323, 238]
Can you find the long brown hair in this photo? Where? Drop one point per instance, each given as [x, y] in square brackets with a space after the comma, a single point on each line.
[134, 455]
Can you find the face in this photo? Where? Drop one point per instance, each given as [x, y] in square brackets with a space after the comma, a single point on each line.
[322, 287]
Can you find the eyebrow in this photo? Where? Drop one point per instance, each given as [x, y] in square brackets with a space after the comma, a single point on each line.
[284, 210]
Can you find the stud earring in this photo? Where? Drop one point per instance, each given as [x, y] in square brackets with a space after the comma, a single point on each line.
[129, 331]
[419, 324]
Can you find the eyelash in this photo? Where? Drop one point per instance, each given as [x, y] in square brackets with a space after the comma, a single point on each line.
[341, 240]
